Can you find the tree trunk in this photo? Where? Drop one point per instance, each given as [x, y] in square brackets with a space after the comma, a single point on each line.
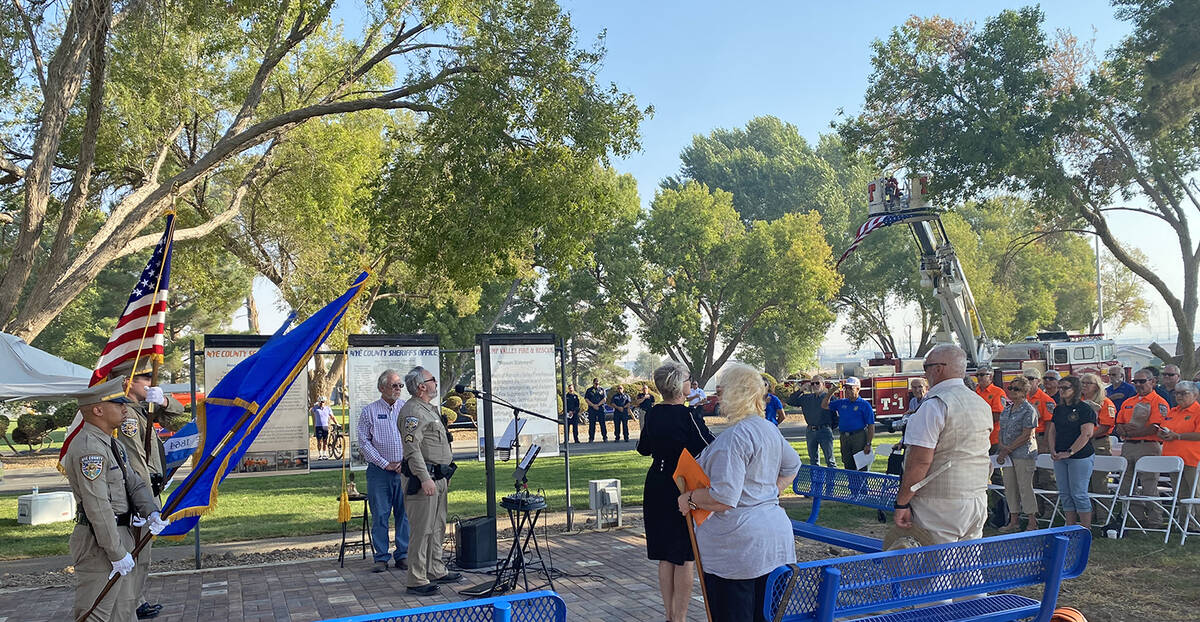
[252, 312]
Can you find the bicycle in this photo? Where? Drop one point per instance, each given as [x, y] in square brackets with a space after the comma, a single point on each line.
[336, 441]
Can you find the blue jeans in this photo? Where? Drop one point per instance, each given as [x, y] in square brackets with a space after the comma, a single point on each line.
[1073, 476]
[823, 439]
[385, 490]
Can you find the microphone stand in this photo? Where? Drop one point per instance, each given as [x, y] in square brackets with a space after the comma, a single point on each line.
[517, 410]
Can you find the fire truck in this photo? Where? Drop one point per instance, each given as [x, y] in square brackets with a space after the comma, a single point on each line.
[886, 379]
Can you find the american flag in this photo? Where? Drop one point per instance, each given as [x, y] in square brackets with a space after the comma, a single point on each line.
[139, 332]
[873, 223]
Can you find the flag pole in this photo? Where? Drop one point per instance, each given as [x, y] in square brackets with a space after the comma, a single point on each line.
[682, 485]
[187, 486]
[194, 476]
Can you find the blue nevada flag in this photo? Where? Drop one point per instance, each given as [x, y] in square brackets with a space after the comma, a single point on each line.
[237, 408]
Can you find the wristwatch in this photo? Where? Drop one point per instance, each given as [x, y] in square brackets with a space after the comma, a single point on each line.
[901, 506]
[692, 504]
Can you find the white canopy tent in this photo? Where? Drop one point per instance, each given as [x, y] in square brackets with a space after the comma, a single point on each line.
[29, 373]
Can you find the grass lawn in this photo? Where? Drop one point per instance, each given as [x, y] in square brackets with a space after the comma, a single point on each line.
[296, 505]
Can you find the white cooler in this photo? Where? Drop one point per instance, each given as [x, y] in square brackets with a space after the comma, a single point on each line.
[46, 507]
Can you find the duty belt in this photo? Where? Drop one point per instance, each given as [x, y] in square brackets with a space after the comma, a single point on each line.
[122, 519]
[1143, 440]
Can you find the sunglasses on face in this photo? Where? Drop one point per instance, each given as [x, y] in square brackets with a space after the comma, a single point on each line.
[397, 385]
[1140, 380]
[1169, 374]
[928, 365]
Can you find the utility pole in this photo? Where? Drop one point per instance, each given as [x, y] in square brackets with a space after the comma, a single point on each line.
[1099, 291]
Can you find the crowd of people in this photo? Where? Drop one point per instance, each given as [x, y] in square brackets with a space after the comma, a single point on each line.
[954, 428]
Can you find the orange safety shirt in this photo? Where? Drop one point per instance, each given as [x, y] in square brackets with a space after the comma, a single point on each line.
[994, 396]
[1183, 421]
[1045, 406]
[1158, 410]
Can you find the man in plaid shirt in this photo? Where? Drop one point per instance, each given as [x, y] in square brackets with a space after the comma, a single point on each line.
[382, 447]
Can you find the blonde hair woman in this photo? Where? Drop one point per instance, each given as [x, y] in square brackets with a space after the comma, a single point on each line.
[749, 534]
[1106, 418]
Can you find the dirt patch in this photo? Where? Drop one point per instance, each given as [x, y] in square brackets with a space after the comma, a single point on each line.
[43, 459]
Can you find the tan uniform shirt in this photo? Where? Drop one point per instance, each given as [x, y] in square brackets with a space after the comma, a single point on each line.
[101, 489]
[132, 434]
[424, 437]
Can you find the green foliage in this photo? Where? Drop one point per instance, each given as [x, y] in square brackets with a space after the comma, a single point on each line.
[698, 278]
[770, 170]
[1009, 107]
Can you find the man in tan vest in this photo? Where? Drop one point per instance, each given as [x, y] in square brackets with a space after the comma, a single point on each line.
[946, 465]
[110, 497]
[427, 470]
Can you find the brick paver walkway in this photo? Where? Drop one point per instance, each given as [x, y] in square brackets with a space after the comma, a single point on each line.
[609, 580]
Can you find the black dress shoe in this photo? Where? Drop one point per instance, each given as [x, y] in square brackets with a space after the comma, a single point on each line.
[449, 577]
[423, 590]
[147, 611]
[401, 564]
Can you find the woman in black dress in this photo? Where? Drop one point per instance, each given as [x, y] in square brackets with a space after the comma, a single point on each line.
[667, 429]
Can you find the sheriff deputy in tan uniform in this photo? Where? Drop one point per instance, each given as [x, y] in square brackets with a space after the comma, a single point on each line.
[108, 493]
[427, 468]
[146, 455]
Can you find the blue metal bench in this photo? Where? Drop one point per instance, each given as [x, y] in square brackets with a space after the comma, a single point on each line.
[872, 587]
[863, 488]
[543, 606]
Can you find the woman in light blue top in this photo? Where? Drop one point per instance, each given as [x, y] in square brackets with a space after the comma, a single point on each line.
[748, 535]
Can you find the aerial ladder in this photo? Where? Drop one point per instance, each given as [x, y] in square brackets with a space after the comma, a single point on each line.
[940, 269]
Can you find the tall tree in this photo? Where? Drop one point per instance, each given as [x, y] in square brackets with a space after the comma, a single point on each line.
[1008, 106]
[699, 279]
[136, 105]
[771, 170]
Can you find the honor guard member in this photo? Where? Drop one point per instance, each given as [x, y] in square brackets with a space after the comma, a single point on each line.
[428, 465]
[145, 451]
[111, 497]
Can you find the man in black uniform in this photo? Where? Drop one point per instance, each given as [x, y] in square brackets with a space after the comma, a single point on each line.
[595, 397]
[819, 422]
[571, 403]
[621, 405]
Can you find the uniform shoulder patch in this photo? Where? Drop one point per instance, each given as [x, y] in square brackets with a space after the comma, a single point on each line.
[129, 427]
[408, 438]
[411, 423]
[91, 466]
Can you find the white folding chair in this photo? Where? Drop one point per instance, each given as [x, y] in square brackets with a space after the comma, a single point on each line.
[1050, 496]
[1189, 506]
[1164, 500]
[1109, 465]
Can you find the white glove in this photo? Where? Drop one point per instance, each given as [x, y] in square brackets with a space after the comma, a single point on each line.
[157, 524]
[154, 395]
[137, 521]
[122, 566]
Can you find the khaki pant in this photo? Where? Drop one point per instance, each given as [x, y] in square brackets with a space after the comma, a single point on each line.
[1018, 486]
[427, 530]
[951, 520]
[1147, 484]
[1099, 483]
[92, 568]
[141, 572]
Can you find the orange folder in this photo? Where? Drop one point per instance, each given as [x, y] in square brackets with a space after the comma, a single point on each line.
[694, 477]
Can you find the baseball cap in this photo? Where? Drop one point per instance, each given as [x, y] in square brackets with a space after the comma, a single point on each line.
[1032, 373]
[851, 381]
[1053, 374]
[983, 371]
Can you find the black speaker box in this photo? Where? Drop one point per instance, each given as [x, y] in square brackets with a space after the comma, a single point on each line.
[475, 543]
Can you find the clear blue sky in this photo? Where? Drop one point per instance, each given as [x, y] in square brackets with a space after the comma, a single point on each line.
[704, 64]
